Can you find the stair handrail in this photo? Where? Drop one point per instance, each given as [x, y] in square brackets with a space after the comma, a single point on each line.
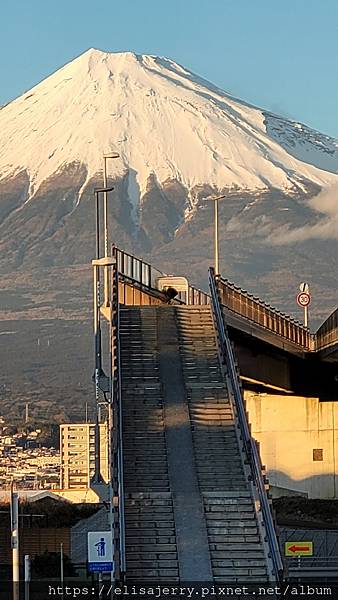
[250, 445]
[118, 424]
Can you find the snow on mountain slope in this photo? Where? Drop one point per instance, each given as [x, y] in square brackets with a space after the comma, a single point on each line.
[304, 143]
[164, 121]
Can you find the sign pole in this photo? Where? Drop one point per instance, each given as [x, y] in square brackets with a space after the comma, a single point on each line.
[61, 566]
[299, 569]
[304, 300]
[15, 542]
[27, 575]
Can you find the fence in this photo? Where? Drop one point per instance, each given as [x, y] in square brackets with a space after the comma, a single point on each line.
[327, 334]
[136, 270]
[252, 308]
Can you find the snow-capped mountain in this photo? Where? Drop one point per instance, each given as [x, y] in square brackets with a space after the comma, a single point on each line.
[180, 139]
[164, 121]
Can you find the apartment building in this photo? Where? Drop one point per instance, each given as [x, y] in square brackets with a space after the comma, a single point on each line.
[77, 454]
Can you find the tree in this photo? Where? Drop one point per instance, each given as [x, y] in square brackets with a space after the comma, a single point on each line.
[48, 565]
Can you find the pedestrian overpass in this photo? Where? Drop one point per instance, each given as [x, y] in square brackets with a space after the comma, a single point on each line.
[190, 498]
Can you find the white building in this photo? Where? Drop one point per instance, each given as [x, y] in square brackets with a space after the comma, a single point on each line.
[77, 454]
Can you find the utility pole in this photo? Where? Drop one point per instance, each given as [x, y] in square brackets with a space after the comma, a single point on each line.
[15, 541]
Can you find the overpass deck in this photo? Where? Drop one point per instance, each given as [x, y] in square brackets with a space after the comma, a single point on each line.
[243, 311]
[183, 454]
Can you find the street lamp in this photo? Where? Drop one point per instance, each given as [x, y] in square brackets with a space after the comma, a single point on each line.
[97, 192]
[216, 244]
[97, 327]
[106, 156]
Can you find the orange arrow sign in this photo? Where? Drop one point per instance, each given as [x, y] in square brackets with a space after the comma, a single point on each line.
[299, 548]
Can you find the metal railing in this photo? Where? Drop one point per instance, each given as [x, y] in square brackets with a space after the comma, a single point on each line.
[250, 307]
[249, 443]
[236, 300]
[145, 275]
[136, 269]
[117, 442]
[327, 334]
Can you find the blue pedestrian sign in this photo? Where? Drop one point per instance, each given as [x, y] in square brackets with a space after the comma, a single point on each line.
[100, 551]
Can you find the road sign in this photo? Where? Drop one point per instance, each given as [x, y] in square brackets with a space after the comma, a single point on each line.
[100, 551]
[303, 299]
[304, 287]
[298, 548]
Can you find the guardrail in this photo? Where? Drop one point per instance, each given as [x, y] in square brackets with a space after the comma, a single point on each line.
[117, 441]
[252, 308]
[136, 269]
[327, 334]
[249, 443]
[236, 300]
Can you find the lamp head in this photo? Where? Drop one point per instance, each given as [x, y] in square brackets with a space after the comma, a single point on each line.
[216, 198]
[102, 190]
[111, 155]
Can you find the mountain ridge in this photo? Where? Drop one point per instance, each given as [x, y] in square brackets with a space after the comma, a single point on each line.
[158, 116]
[181, 140]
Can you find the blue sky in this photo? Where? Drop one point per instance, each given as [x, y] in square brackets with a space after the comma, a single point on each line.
[278, 54]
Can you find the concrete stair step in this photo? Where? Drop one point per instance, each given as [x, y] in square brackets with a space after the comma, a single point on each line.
[232, 511]
[221, 468]
[153, 556]
[149, 564]
[151, 547]
[233, 525]
[238, 551]
[239, 572]
[151, 575]
[246, 563]
[230, 495]
[223, 535]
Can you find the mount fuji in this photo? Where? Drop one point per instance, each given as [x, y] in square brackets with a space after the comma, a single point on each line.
[181, 140]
